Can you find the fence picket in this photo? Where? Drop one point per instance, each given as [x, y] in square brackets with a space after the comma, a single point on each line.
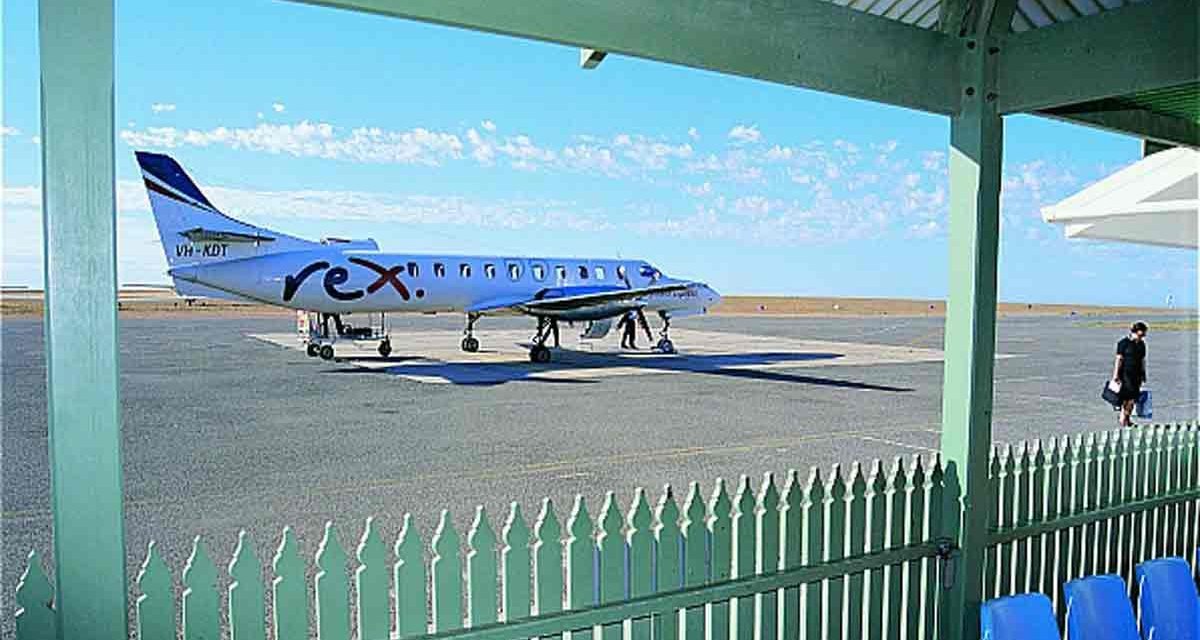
[858, 540]
[835, 549]
[547, 562]
[1037, 513]
[1005, 556]
[1066, 496]
[1170, 523]
[35, 617]
[767, 560]
[331, 588]
[719, 528]
[639, 541]
[515, 566]
[1078, 473]
[913, 588]
[1140, 484]
[814, 552]
[792, 525]
[897, 487]
[371, 585]
[412, 616]
[1104, 500]
[446, 577]
[744, 538]
[695, 546]
[581, 553]
[1053, 549]
[156, 605]
[289, 596]
[201, 612]
[668, 561]
[991, 557]
[482, 573]
[610, 545]
[877, 511]
[1020, 517]
[933, 526]
[247, 612]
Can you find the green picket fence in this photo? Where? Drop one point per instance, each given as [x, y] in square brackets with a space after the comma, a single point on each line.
[854, 556]
[1094, 504]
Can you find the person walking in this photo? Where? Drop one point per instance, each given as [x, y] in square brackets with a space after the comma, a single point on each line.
[1129, 370]
[628, 326]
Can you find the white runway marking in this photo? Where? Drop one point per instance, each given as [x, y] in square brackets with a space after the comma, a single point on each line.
[435, 357]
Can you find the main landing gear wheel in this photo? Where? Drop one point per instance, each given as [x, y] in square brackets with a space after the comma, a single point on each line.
[385, 348]
[666, 346]
[326, 352]
[539, 354]
[312, 350]
[470, 344]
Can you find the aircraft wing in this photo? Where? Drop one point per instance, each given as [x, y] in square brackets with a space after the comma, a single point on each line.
[569, 302]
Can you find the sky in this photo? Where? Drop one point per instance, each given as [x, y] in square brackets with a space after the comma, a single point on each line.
[319, 122]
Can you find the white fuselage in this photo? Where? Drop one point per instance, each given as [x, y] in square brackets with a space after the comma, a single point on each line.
[337, 280]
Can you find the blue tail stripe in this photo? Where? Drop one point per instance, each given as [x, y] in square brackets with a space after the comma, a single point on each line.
[165, 169]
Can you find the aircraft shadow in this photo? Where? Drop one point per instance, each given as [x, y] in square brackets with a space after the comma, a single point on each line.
[728, 365]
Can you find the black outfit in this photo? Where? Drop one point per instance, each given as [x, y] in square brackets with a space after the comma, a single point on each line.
[1133, 368]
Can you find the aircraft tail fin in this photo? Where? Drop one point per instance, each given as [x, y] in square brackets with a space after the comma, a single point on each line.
[192, 229]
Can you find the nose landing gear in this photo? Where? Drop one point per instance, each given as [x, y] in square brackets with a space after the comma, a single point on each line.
[470, 343]
[664, 341]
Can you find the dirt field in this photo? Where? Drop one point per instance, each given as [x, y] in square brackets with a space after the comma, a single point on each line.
[802, 306]
[153, 302]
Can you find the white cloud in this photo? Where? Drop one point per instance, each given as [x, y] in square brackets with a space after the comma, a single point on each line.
[745, 134]
[693, 133]
[488, 125]
[926, 229]
[648, 153]
[278, 107]
[36, 139]
[160, 107]
[308, 139]
[9, 131]
[698, 190]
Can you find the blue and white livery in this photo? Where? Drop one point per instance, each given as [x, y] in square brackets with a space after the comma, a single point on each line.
[211, 254]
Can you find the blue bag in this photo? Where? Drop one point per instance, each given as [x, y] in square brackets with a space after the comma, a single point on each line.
[1144, 408]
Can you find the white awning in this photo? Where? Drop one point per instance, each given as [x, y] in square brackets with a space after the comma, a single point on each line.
[1154, 201]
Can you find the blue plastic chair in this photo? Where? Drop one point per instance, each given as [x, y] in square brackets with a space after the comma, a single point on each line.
[1169, 601]
[1029, 616]
[1099, 609]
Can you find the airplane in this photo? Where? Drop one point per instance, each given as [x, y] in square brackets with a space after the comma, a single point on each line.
[210, 254]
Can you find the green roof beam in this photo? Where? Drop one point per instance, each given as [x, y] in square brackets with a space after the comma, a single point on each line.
[806, 43]
[1139, 122]
[1140, 47]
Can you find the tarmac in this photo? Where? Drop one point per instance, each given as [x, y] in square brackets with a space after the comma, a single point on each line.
[229, 426]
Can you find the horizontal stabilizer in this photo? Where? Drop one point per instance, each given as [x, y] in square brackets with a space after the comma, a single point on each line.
[208, 235]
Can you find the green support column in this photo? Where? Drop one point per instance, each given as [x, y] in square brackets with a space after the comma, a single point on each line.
[976, 140]
[79, 224]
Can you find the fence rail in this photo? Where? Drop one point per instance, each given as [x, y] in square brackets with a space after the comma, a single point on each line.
[854, 556]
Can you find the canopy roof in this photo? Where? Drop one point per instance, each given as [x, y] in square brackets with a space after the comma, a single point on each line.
[1154, 201]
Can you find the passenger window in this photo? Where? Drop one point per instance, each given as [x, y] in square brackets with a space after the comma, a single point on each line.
[599, 273]
[439, 270]
[489, 270]
[560, 272]
[464, 270]
[514, 271]
[538, 271]
[583, 272]
[413, 271]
